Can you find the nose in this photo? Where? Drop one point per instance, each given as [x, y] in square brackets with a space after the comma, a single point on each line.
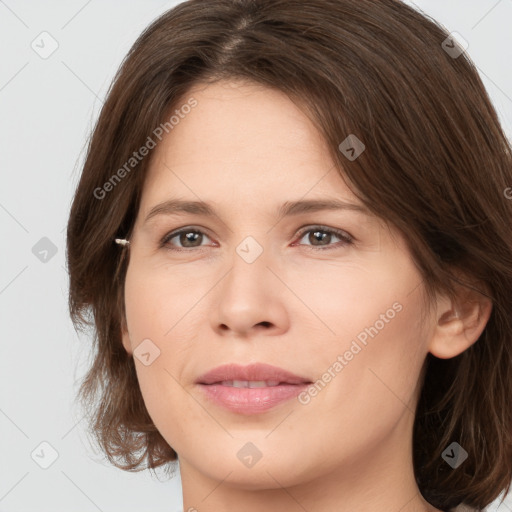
[250, 300]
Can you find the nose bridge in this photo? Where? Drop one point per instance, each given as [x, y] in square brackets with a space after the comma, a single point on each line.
[251, 250]
[249, 268]
[248, 295]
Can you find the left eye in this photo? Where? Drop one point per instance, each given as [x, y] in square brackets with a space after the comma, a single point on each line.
[324, 235]
[191, 238]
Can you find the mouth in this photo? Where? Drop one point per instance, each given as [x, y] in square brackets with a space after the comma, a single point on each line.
[253, 375]
[250, 383]
[252, 389]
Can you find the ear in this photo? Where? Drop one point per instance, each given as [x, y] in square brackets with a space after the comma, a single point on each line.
[459, 322]
[127, 344]
[121, 311]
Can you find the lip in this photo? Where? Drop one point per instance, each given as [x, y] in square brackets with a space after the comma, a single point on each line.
[250, 401]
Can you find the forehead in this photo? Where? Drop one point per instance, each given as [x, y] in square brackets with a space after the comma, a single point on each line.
[243, 140]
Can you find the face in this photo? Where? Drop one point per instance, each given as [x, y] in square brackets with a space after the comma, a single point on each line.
[330, 295]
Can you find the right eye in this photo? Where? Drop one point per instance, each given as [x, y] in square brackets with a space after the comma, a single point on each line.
[188, 238]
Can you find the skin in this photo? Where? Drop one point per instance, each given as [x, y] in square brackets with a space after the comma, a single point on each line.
[247, 149]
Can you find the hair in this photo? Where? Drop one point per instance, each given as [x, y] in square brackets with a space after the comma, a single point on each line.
[436, 166]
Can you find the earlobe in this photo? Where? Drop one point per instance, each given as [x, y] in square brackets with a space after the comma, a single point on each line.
[459, 323]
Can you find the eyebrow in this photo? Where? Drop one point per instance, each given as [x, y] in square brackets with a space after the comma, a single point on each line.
[287, 209]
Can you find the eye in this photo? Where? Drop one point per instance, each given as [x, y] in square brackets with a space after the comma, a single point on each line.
[189, 238]
[321, 236]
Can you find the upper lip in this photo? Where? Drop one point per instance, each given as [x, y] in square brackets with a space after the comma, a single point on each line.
[252, 372]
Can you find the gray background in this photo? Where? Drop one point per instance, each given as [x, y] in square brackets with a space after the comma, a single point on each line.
[48, 107]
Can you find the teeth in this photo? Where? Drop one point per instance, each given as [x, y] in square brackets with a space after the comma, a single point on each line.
[250, 383]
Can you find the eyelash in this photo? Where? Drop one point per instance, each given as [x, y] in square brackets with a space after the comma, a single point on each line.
[346, 239]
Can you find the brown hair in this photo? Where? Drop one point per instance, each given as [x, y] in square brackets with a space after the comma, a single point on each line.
[436, 166]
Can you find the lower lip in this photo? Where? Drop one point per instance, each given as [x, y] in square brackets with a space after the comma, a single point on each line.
[251, 400]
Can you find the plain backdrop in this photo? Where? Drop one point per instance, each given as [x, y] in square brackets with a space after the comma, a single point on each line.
[48, 107]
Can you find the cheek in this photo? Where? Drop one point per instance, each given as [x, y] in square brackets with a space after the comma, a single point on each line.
[376, 366]
[343, 299]
[156, 310]
[363, 399]
[369, 360]
[160, 299]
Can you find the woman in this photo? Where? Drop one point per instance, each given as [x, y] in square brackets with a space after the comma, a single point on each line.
[292, 232]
